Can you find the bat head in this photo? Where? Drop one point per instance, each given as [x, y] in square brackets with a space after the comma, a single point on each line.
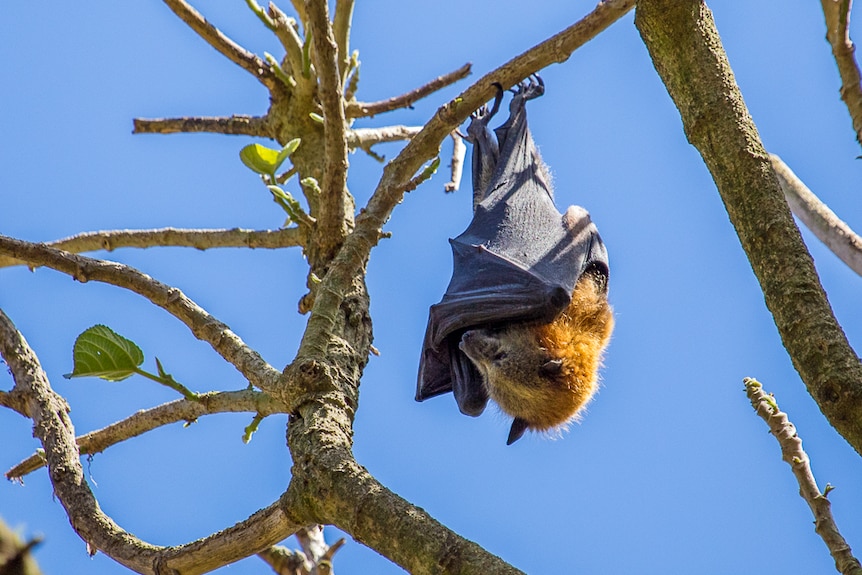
[544, 374]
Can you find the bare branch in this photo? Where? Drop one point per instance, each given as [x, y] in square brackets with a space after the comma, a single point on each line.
[459, 152]
[686, 50]
[364, 138]
[343, 493]
[333, 215]
[793, 454]
[148, 419]
[234, 125]
[285, 31]
[818, 218]
[341, 31]
[173, 237]
[837, 13]
[284, 561]
[15, 401]
[363, 109]
[55, 431]
[425, 145]
[227, 47]
[203, 325]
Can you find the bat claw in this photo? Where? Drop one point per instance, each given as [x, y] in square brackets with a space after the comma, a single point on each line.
[531, 88]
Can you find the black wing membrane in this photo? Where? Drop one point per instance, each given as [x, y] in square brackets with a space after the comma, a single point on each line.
[518, 260]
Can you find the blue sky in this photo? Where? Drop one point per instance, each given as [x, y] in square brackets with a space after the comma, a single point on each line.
[669, 468]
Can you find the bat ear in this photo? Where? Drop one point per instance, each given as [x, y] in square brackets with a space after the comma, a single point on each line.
[552, 368]
[519, 426]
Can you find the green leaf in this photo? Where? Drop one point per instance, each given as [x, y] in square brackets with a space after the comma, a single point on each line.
[288, 149]
[260, 159]
[101, 352]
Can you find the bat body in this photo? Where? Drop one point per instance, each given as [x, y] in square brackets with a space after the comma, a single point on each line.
[525, 318]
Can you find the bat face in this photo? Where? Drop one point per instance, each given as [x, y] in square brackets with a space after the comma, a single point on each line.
[525, 318]
[544, 374]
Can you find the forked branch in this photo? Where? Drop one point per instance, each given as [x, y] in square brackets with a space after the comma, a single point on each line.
[54, 429]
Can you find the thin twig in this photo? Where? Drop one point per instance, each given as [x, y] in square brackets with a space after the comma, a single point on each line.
[818, 218]
[459, 152]
[366, 137]
[424, 146]
[363, 109]
[286, 32]
[837, 13]
[331, 220]
[227, 47]
[793, 454]
[203, 325]
[173, 237]
[234, 125]
[341, 30]
[138, 423]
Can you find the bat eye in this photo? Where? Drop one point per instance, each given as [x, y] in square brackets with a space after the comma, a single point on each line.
[501, 356]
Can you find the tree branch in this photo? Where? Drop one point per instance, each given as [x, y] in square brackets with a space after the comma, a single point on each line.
[793, 454]
[686, 50]
[203, 325]
[818, 218]
[425, 145]
[336, 490]
[459, 152]
[173, 237]
[341, 31]
[257, 126]
[334, 217]
[54, 429]
[366, 137]
[364, 109]
[146, 420]
[837, 13]
[227, 47]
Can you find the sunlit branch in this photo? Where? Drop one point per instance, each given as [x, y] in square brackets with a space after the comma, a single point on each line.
[203, 325]
[793, 454]
[233, 125]
[227, 47]
[288, 36]
[331, 221]
[173, 237]
[363, 109]
[148, 419]
[367, 137]
[341, 31]
[459, 152]
[818, 218]
[698, 77]
[837, 13]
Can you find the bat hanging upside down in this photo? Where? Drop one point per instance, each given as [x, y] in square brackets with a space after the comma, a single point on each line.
[525, 318]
